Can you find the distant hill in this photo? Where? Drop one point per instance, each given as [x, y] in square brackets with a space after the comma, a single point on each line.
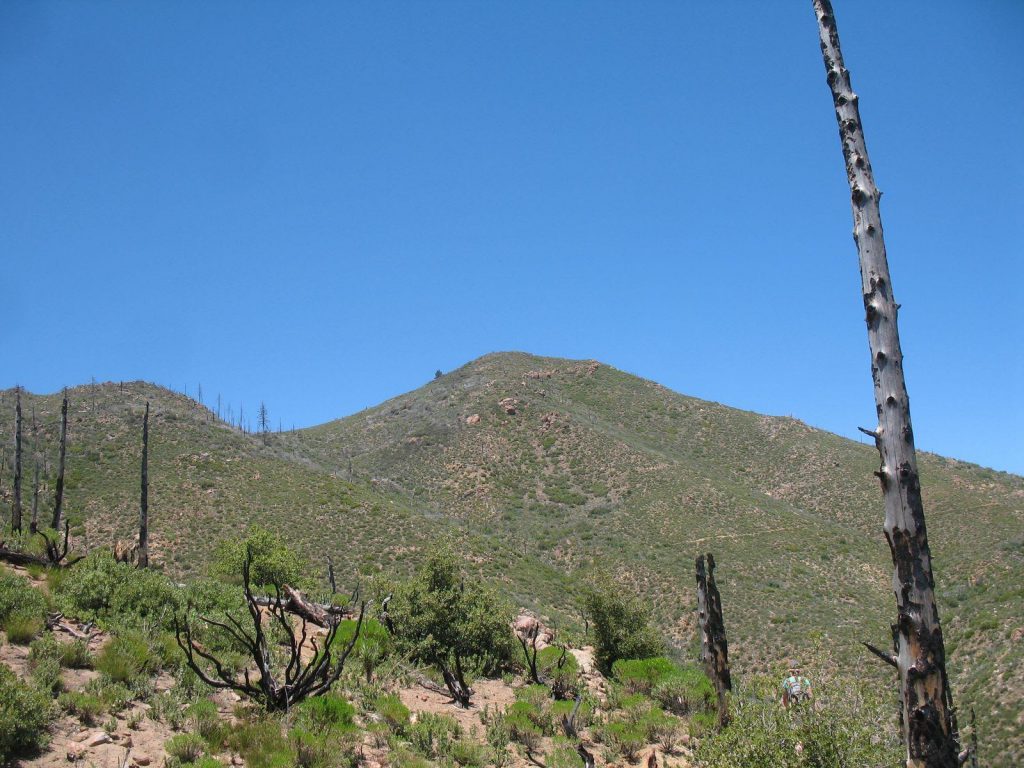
[543, 469]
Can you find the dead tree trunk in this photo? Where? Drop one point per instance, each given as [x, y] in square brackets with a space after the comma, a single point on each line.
[16, 507]
[929, 730]
[714, 645]
[58, 496]
[33, 526]
[144, 499]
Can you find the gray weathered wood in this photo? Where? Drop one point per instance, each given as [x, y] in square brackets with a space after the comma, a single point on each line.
[58, 495]
[144, 498]
[16, 506]
[929, 728]
[714, 645]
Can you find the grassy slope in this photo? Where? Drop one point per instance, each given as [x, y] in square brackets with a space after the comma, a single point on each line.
[595, 468]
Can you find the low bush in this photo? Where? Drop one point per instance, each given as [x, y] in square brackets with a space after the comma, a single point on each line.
[560, 670]
[17, 596]
[86, 592]
[844, 730]
[433, 735]
[641, 675]
[185, 747]
[24, 714]
[23, 626]
[46, 675]
[87, 707]
[623, 739]
[686, 691]
[148, 600]
[261, 744]
[326, 713]
[393, 712]
[127, 657]
[204, 720]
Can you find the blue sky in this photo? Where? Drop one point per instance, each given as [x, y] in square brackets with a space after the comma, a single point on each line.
[319, 204]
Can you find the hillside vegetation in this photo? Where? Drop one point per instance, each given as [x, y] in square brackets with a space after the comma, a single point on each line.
[542, 472]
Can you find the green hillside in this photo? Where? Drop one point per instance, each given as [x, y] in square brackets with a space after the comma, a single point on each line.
[543, 469]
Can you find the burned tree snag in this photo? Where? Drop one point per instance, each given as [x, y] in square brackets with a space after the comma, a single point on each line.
[33, 526]
[714, 645]
[144, 498]
[929, 730]
[16, 507]
[58, 496]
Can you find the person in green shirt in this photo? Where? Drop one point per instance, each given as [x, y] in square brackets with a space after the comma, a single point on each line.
[796, 687]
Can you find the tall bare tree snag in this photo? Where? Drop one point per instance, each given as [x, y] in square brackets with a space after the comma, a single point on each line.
[144, 499]
[714, 645]
[34, 524]
[929, 732]
[58, 496]
[16, 507]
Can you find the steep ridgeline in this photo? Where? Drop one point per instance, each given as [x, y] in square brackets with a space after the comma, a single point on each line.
[542, 469]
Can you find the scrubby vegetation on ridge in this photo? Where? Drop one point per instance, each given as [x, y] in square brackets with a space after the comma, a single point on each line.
[593, 470]
[379, 713]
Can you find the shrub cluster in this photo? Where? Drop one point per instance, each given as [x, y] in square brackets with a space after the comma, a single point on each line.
[621, 625]
[22, 608]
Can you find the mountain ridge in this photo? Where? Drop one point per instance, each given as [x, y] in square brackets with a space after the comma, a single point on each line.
[542, 470]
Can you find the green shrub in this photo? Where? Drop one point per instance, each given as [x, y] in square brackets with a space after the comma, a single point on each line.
[326, 713]
[126, 658]
[331, 749]
[439, 616]
[433, 735]
[185, 747]
[24, 714]
[87, 590]
[204, 720]
[75, 655]
[17, 595]
[845, 731]
[87, 707]
[46, 675]
[272, 561]
[624, 739]
[393, 712]
[72, 655]
[641, 675]
[147, 600]
[22, 626]
[262, 745]
[621, 625]
[686, 691]
[564, 679]
[520, 719]
[373, 645]
[469, 754]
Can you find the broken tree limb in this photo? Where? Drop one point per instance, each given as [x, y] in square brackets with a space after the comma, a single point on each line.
[888, 658]
[293, 601]
[929, 729]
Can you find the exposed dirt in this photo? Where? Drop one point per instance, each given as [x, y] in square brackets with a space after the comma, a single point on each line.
[493, 694]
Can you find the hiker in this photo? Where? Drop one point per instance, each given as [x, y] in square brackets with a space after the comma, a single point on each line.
[796, 687]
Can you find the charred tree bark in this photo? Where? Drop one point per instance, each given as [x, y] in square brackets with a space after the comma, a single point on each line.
[33, 526]
[58, 496]
[929, 730]
[144, 499]
[16, 507]
[714, 645]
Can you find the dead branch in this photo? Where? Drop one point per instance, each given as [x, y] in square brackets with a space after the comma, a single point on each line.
[276, 690]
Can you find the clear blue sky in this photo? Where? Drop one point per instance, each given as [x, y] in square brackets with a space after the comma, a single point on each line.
[319, 204]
